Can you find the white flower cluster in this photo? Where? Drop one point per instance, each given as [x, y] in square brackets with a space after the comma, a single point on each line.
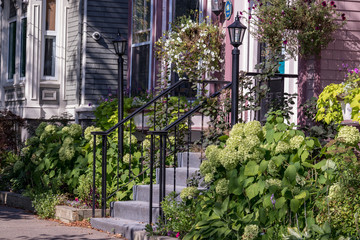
[296, 141]
[349, 135]
[250, 232]
[222, 187]
[189, 193]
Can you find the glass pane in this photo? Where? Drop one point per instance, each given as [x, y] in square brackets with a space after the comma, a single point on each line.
[12, 50]
[49, 57]
[23, 47]
[141, 21]
[140, 69]
[50, 14]
[12, 12]
[184, 7]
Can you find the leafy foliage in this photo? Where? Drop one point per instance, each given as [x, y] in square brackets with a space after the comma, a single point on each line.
[44, 204]
[303, 26]
[52, 160]
[329, 102]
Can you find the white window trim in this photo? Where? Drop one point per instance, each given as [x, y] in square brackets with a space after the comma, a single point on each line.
[150, 43]
[49, 33]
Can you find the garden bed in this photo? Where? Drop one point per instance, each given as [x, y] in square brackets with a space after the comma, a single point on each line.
[16, 200]
[69, 214]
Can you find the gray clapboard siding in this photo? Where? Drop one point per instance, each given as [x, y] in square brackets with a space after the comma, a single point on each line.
[105, 17]
[73, 53]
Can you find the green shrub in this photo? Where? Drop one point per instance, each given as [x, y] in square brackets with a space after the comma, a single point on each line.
[266, 182]
[52, 160]
[44, 204]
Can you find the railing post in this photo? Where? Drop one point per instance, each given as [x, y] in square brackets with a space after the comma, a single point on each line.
[235, 86]
[103, 179]
[94, 172]
[152, 152]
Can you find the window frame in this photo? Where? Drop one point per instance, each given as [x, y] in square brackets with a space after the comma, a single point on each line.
[23, 45]
[11, 79]
[49, 34]
[150, 43]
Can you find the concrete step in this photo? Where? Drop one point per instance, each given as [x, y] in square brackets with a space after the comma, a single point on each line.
[142, 192]
[194, 159]
[181, 175]
[125, 227]
[134, 210]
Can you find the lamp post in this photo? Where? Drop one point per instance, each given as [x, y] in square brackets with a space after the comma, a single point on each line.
[120, 46]
[236, 34]
[217, 6]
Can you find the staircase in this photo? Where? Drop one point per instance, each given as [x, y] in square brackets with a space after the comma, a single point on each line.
[128, 217]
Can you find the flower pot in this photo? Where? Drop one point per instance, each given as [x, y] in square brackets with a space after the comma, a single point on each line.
[346, 111]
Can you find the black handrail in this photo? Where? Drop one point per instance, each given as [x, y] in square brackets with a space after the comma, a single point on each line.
[163, 133]
[163, 93]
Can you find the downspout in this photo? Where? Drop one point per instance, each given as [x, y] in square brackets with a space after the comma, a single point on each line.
[83, 57]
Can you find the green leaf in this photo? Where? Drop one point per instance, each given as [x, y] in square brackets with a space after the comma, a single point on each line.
[320, 164]
[279, 160]
[303, 195]
[306, 164]
[290, 173]
[251, 169]
[294, 205]
[263, 166]
[52, 174]
[252, 191]
[305, 155]
[280, 202]
[310, 143]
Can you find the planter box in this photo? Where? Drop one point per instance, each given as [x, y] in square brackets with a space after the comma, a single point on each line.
[69, 214]
[16, 200]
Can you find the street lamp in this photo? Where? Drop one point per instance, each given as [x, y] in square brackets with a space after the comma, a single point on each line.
[120, 46]
[217, 6]
[236, 34]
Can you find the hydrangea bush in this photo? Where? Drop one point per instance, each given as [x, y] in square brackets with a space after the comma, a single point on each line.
[53, 159]
[269, 182]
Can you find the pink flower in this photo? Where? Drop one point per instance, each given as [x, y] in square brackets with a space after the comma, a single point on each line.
[356, 70]
[332, 3]
[76, 199]
[324, 4]
[178, 235]
[285, 42]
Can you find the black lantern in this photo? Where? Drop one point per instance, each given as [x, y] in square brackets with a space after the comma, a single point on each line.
[119, 44]
[236, 32]
[217, 6]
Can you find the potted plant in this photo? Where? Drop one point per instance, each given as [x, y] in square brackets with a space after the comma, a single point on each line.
[341, 101]
[302, 27]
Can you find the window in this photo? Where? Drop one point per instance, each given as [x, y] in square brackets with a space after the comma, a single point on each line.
[49, 55]
[185, 7]
[12, 49]
[23, 48]
[141, 42]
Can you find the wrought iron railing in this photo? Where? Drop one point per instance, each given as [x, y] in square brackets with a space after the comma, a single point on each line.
[161, 101]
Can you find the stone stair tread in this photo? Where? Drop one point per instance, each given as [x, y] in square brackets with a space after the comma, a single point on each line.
[125, 227]
[134, 210]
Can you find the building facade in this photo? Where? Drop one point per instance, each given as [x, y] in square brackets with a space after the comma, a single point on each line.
[57, 55]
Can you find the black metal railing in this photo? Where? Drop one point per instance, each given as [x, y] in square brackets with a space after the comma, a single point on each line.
[172, 130]
[172, 101]
[167, 148]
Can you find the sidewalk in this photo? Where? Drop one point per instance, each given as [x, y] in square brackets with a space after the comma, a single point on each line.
[18, 224]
